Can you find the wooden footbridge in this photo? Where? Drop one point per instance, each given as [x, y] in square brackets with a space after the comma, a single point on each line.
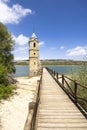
[55, 107]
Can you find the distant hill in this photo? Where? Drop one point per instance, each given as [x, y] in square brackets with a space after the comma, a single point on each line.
[53, 62]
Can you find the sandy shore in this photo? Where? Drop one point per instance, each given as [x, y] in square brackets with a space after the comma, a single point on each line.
[13, 112]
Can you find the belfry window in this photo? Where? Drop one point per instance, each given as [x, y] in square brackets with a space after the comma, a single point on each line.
[34, 44]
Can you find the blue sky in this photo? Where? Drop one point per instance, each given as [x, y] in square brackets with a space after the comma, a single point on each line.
[60, 25]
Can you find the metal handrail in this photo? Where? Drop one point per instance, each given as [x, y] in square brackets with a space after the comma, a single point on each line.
[71, 92]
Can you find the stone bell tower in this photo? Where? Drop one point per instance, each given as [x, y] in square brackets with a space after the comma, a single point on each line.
[33, 55]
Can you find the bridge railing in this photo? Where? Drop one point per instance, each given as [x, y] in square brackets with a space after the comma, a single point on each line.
[33, 107]
[76, 92]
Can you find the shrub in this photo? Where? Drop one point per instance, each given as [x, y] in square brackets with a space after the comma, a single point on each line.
[6, 91]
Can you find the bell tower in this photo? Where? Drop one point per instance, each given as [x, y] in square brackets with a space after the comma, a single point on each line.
[33, 55]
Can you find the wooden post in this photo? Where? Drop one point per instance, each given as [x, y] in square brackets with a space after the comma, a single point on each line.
[28, 123]
[54, 73]
[38, 82]
[31, 105]
[75, 91]
[57, 76]
[63, 80]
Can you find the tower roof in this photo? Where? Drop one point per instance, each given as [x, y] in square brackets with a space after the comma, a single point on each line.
[33, 35]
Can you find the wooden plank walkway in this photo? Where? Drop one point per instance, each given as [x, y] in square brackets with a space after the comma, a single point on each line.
[56, 111]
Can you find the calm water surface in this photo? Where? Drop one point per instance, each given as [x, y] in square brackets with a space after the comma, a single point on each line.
[65, 69]
[23, 70]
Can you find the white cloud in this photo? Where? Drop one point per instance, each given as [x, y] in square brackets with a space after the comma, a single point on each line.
[41, 43]
[21, 39]
[12, 14]
[21, 53]
[62, 47]
[77, 51]
[21, 58]
[22, 50]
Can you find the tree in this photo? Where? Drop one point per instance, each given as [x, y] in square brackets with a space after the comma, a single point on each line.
[6, 57]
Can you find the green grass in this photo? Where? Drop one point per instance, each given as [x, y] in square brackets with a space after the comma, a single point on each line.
[6, 91]
[81, 77]
[81, 92]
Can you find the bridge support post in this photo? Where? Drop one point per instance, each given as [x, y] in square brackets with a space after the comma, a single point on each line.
[75, 91]
[57, 76]
[63, 80]
[29, 117]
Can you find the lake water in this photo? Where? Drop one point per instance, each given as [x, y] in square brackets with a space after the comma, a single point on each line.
[65, 69]
[22, 70]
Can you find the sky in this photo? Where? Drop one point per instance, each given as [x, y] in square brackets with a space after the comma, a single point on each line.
[60, 25]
